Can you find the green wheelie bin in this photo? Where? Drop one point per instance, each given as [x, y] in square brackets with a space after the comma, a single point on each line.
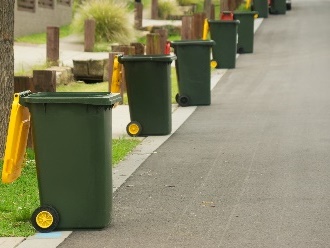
[261, 6]
[277, 7]
[149, 93]
[245, 30]
[193, 71]
[224, 33]
[72, 136]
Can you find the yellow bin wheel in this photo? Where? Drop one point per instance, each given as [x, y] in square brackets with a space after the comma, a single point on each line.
[45, 219]
[213, 63]
[133, 128]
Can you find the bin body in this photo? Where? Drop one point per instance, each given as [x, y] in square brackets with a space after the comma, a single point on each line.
[193, 70]
[148, 82]
[278, 7]
[72, 142]
[224, 33]
[245, 31]
[261, 6]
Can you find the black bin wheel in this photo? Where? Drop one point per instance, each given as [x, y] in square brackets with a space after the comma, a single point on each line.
[183, 101]
[133, 128]
[45, 219]
[177, 97]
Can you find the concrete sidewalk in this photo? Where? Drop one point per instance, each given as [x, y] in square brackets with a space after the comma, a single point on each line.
[71, 48]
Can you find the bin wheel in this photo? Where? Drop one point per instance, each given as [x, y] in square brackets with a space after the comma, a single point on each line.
[288, 6]
[213, 64]
[134, 128]
[45, 219]
[183, 101]
[177, 97]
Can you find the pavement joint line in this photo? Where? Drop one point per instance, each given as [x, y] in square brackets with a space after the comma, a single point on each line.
[121, 172]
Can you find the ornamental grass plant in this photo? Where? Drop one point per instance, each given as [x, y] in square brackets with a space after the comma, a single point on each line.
[112, 19]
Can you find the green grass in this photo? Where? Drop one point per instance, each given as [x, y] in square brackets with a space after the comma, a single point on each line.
[19, 199]
[121, 147]
[41, 38]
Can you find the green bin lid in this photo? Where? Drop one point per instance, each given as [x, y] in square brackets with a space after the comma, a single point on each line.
[245, 13]
[91, 98]
[157, 58]
[223, 21]
[192, 43]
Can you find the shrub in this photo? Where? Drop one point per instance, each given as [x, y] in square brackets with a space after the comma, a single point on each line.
[112, 20]
[167, 8]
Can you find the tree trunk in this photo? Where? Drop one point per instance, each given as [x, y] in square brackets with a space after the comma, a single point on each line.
[6, 67]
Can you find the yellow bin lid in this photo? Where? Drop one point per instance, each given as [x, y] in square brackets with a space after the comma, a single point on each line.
[18, 131]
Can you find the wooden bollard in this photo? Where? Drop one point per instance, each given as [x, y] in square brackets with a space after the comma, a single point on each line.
[139, 48]
[125, 49]
[163, 35]
[187, 30]
[44, 81]
[153, 44]
[89, 35]
[212, 15]
[138, 15]
[199, 25]
[53, 43]
[207, 8]
[154, 9]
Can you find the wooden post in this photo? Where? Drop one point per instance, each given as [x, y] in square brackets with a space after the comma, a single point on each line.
[90, 25]
[44, 81]
[212, 16]
[139, 48]
[125, 49]
[53, 41]
[23, 83]
[187, 30]
[224, 5]
[163, 34]
[154, 9]
[207, 8]
[153, 44]
[199, 25]
[138, 15]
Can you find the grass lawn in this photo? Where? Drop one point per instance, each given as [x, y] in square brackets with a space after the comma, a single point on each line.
[41, 38]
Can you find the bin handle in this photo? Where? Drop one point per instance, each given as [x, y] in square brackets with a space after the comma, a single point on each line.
[206, 29]
[18, 130]
[116, 80]
[23, 93]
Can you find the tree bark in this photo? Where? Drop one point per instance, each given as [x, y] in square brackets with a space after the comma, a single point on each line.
[6, 67]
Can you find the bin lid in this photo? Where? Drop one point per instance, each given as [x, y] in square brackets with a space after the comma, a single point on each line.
[245, 13]
[18, 130]
[223, 21]
[192, 43]
[90, 98]
[157, 58]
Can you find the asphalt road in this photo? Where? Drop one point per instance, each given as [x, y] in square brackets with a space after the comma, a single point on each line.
[252, 169]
